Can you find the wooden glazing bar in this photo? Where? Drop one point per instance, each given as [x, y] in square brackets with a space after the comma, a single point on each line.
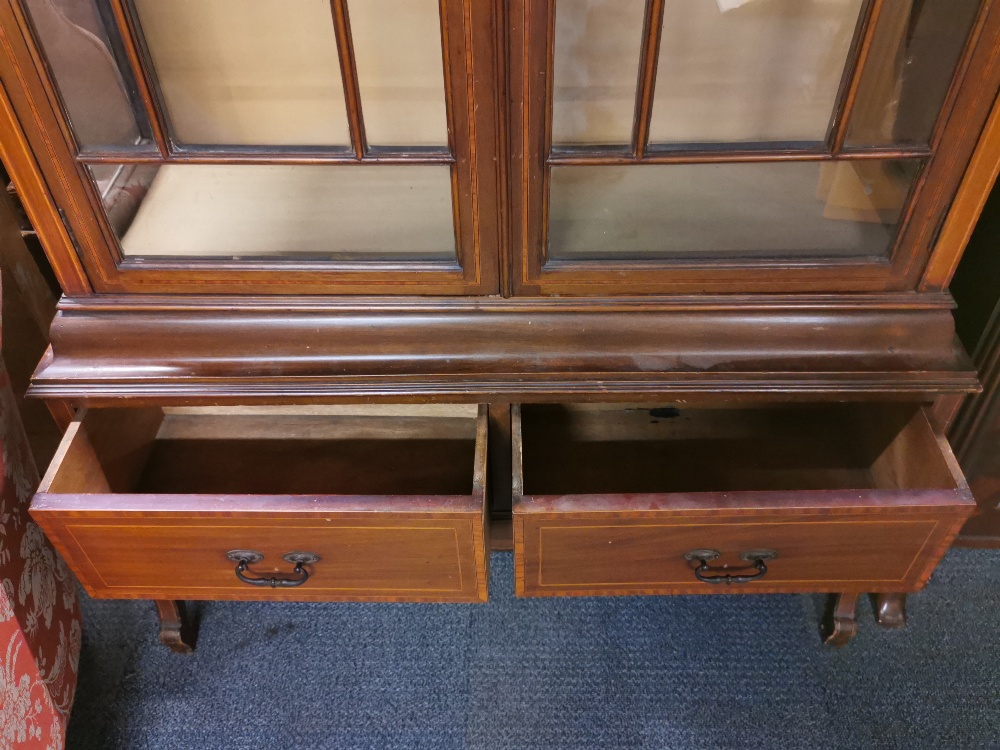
[548, 78]
[647, 76]
[285, 266]
[270, 157]
[127, 31]
[451, 114]
[349, 71]
[710, 157]
[117, 49]
[850, 71]
[849, 93]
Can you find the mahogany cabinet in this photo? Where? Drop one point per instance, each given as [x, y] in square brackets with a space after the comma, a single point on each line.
[690, 229]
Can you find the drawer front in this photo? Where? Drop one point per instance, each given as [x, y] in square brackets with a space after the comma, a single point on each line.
[616, 553]
[154, 506]
[382, 552]
[824, 499]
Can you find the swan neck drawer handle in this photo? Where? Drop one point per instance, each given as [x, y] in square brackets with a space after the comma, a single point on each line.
[244, 558]
[756, 560]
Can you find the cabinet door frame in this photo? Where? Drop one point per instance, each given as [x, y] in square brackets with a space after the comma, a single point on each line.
[470, 38]
[965, 111]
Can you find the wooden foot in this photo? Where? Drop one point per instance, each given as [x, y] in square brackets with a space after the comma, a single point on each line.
[840, 624]
[177, 632]
[890, 610]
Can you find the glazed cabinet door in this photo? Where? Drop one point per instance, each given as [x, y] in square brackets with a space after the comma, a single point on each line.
[740, 145]
[266, 146]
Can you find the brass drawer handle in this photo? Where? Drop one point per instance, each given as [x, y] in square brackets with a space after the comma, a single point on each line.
[703, 572]
[244, 558]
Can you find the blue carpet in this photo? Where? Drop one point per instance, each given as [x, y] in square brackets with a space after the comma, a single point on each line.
[678, 673]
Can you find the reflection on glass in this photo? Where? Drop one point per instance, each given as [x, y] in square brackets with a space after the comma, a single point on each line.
[399, 59]
[912, 60]
[731, 210]
[312, 212]
[750, 70]
[248, 72]
[596, 70]
[88, 70]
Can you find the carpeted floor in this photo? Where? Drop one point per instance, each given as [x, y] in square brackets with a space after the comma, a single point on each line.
[698, 673]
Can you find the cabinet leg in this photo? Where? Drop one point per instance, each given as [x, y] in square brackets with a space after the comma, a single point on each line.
[840, 624]
[177, 632]
[890, 610]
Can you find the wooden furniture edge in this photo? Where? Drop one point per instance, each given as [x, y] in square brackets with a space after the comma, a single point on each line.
[172, 351]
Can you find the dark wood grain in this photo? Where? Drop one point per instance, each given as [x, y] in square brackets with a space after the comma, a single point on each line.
[177, 348]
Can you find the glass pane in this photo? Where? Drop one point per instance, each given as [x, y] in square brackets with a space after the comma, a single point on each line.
[912, 60]
[400, 63]
[596, 70]
[248, 72]
[728, 210]
[90, 72]
[312, 212]
[750, 70]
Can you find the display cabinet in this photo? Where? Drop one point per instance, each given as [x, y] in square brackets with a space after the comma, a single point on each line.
[638, 232]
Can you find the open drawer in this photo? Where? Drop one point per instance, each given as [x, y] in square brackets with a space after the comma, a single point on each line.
[836, 498]
[272, 504]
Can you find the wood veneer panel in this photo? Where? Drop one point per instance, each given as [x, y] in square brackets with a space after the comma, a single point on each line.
[594, 554]
[377, 548]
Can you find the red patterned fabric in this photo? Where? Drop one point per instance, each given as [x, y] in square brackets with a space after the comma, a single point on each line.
[40, 627]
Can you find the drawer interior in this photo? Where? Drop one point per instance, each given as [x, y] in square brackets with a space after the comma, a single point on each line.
[262, 451]
[584, 449]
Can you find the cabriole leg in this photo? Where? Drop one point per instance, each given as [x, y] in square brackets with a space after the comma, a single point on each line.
[840, 624]
[177, 632]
